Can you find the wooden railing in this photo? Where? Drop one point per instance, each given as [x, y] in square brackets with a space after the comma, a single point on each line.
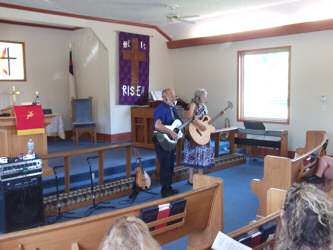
[100, 150]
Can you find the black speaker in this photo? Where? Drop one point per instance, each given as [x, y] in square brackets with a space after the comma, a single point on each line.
[21, 204]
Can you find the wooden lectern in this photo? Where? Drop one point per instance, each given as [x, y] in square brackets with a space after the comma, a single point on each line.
[11, 145]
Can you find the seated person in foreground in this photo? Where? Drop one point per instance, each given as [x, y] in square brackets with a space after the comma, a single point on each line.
[325, 169]
[306, 219]
[129, 232]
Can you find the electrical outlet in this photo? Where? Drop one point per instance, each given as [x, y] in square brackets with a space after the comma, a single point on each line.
[323, 107]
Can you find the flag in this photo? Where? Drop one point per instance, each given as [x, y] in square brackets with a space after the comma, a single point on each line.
[29, 119]
[71, 78]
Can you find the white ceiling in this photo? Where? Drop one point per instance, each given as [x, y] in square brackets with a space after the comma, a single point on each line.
[216, 16]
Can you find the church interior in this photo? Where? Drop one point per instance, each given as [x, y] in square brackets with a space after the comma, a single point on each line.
[191, 46]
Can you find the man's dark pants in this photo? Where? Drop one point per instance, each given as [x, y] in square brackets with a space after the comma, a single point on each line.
[166, 160]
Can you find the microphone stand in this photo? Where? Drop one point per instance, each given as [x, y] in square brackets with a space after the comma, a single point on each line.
[95, 206]
[60, 214]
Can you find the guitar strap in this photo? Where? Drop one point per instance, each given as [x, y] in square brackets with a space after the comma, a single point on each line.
[203, 110]
[172, 114]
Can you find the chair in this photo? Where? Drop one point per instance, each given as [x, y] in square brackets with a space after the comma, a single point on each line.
[82, 119]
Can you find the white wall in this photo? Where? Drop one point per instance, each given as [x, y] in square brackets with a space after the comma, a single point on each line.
[112, 118]
[214, 67]
[90, 59]
[47, 57]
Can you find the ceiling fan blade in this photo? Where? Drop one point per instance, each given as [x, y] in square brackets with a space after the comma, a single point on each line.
[189, 16]
[186, 21]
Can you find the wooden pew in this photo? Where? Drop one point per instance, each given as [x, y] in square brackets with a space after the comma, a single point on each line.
[202, 219]
[254, 226]
[275, 198]
[282, 172]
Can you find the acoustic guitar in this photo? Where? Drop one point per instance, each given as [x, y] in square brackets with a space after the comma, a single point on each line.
[165, 140]
[142, 179]
[200, 137]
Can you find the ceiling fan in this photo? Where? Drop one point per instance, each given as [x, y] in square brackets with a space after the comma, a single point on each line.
[177, 18]
[173, 17]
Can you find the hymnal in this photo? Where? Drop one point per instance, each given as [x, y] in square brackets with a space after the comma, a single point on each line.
[255, 239]
[177, 207]
[163, 212]
[267, 230]
[149, 214]
[245, 239]
[223, 241]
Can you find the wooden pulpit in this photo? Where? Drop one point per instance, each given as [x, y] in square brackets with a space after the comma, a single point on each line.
[11, 144]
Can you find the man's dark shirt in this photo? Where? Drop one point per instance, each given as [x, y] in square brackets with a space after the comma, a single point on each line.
[163, 112]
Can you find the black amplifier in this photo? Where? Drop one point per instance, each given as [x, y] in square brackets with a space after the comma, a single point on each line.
[16, 169]
[20, 183]
[21, 203]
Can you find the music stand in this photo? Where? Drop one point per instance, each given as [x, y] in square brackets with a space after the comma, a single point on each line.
[137, 189]
[60, 214]
[95, 206]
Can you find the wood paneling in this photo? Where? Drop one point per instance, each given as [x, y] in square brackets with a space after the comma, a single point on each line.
[254, 34]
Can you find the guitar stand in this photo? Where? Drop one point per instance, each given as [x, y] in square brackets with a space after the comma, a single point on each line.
[136, 191]
[60, 214]
[95, 206]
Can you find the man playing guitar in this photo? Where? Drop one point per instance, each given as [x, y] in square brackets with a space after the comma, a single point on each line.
[165, 114]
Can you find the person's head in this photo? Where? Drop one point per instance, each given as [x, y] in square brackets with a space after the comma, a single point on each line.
[200, 96]
[129, 232]
[169, 97]
[306, 219]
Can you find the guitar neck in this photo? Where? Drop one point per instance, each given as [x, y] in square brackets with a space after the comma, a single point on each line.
[186, 123]
[217, 116]
[190, 120]
[138, 157]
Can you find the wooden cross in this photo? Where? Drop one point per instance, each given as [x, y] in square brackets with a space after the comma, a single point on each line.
[8, 58]
[14, 93]
[134, 55]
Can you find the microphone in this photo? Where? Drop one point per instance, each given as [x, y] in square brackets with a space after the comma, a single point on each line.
[92, 157]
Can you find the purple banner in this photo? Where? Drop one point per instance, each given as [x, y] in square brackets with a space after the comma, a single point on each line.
[133, 68]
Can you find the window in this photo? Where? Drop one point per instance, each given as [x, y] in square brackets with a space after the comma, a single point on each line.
[263, 85]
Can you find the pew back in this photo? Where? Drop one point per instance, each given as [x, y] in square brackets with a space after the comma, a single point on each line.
[275, 199]
[255, 226]
[202, 219]
[282, 172]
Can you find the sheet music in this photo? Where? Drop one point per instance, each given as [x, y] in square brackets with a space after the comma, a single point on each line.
[223, 241]
[156, 95]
